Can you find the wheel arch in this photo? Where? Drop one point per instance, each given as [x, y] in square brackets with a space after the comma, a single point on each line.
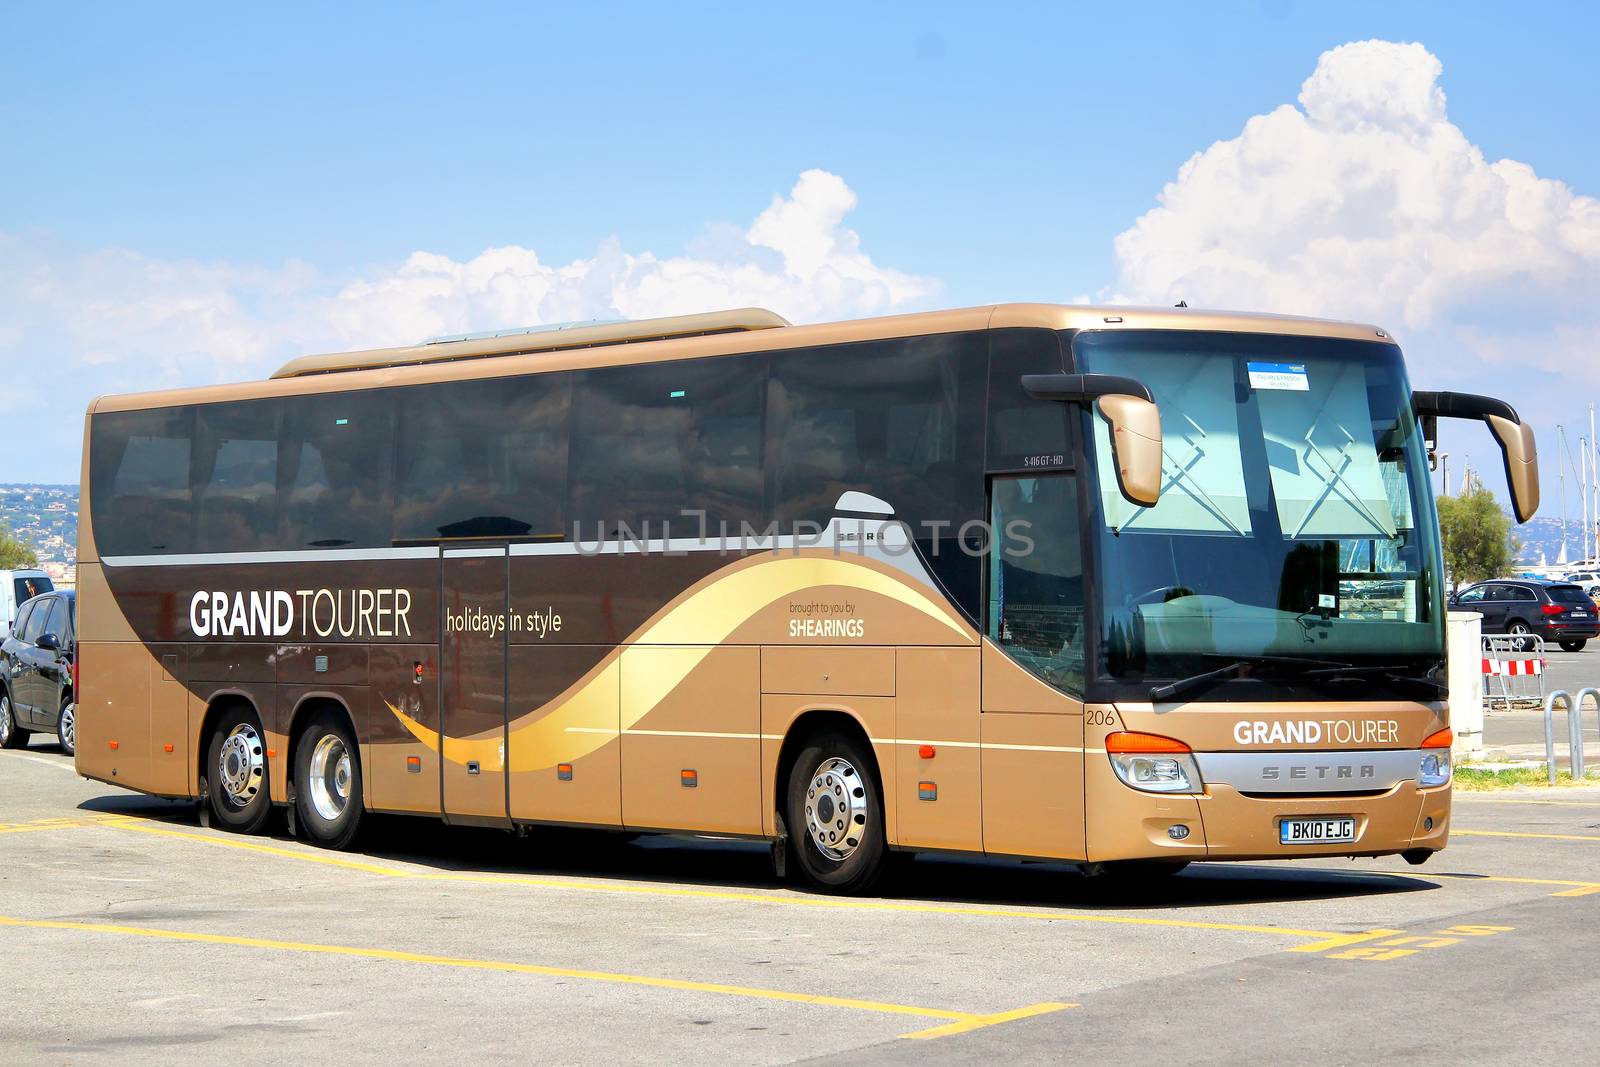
[218, 705]
[308, 706]
[805, 725]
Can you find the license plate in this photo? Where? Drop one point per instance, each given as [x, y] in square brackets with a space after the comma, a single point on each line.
[1317, 831]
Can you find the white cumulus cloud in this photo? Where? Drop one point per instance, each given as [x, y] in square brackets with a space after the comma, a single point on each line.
[115, 320]
[1366, 201]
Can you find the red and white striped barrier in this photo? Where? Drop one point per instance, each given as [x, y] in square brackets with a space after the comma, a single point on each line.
[1512, 668]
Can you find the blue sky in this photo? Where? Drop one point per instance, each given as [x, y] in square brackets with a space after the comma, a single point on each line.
[990, 152]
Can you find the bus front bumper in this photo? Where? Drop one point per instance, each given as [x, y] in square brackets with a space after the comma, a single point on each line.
[1240, 826]
[1229, 821]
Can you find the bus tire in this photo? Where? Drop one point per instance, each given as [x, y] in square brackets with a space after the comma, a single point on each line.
[327, 782]
[835, 807]
[236, 772]
[11, 735]
[1573, 646]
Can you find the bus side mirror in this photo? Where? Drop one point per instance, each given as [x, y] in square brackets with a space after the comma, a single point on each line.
[1514, 437]
[1135, 446]
[1135, 421]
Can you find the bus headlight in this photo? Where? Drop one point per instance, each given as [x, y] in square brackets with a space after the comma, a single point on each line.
[1435, 765]
[1152, 763]
[1435, 769]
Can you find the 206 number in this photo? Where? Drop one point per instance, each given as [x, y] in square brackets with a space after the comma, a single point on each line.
[1101, 718]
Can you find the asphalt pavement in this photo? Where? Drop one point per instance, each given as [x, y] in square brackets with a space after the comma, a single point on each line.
[130, 934]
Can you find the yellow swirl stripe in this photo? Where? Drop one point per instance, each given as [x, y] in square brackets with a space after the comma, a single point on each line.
[588, 716]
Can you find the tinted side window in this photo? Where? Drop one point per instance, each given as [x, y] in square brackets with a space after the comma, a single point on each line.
[57, 622]
[1024, 433]
[28, 588]
[21, 621]
[899, 419]
[33, 626]
[483, 458]
[650, 442]
[139, 480]
[1473, 595]
[235, 476]
[336, 469]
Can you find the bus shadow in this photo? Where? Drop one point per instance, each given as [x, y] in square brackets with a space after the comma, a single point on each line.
[708, 862]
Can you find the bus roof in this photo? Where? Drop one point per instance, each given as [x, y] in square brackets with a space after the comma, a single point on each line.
[689, 336]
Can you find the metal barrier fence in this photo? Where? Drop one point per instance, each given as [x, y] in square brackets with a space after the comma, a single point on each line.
[1513, 670]
[1574, 706]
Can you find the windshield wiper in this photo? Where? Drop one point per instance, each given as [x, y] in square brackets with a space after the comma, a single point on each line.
[1389, 672]
[1162, 693]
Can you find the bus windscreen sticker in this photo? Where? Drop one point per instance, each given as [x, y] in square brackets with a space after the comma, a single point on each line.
[1278, 376]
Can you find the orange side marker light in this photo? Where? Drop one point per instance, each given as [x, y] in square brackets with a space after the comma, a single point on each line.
[1127, 741]
[167, 747]
[564, 772]
[926, 751]
[115, 745]
[689, 779]
[272, 753]
[927, 790]
[414, 764]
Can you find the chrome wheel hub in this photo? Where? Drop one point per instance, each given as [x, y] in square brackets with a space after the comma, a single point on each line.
[5, 719]
[330, 777]
[240, 766]
[836, 808]
[69, 726]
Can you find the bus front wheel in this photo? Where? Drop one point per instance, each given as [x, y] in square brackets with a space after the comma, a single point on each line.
[835, 807]
[236, 773]
[327, 782]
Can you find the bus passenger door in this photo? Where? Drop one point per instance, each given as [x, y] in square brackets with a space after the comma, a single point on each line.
[472, 651]
[1032, 728]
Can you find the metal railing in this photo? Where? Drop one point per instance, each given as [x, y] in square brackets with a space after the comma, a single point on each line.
[1504, 654]
[1574, 706]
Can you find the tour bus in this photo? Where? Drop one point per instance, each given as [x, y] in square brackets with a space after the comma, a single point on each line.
[1123, 587]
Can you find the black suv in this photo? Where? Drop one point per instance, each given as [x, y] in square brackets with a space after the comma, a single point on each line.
[1556, 611]
[41, 672]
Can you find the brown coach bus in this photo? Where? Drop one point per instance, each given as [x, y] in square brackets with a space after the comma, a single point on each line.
[1126, 587]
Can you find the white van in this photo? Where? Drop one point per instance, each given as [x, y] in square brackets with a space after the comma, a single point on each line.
[16, 587]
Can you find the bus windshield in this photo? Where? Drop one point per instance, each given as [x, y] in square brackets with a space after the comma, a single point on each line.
[1295, 521]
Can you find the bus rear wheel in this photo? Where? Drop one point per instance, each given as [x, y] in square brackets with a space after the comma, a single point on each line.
[835, 813]
[236, 773]
[327, 782]
[1573, 646]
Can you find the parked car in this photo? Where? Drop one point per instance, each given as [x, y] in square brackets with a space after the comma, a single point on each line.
[16, 588]
[1589, 581]
[40, 673]
[1559, 612]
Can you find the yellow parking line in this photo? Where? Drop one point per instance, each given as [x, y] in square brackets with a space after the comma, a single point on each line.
[311, 856]
[961, 1020]
[988, 1020]
[23, 828]
[1344, 940]
[1513, 833]
[1488, 799]
[1574, 889]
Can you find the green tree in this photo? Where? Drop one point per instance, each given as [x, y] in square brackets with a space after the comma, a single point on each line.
[1477, 535]
[14, 553]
